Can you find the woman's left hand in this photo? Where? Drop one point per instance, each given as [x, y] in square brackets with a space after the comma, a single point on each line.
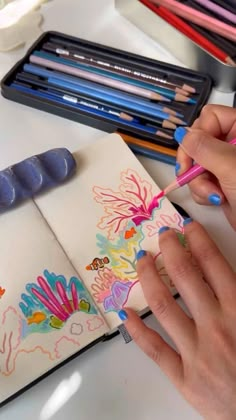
[203, 368]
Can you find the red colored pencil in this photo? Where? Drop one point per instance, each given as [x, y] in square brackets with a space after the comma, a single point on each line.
[191, 33]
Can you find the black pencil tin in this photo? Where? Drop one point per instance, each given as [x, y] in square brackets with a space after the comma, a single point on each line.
[182, 47]
[175, 74]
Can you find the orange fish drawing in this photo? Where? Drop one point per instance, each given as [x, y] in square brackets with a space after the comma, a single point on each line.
[130, 233]
[2, 291]
[36, 318]
[98, 263]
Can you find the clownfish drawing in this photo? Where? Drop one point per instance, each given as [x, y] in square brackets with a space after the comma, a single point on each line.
[2, 291]
[130, 233]
[98, 263]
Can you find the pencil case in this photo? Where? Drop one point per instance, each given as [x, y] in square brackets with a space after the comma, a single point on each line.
[182, 47]
[147, 142]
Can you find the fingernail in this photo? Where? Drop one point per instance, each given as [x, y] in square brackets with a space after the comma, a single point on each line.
[123, 315]
[140, 254]
[187, 221]
[179, 134]
[214, 199]
[177, 168]
[163, 229]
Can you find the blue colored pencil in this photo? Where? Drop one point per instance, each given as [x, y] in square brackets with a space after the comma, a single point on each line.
[161, 90]
[63, 99]
[97, 91]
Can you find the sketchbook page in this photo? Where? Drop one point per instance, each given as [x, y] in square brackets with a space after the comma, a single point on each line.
[103, 216]
[46, 314]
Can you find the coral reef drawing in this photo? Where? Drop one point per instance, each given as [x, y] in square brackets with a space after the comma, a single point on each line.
[51, 301]
[94, 323]
[111, 291]
[132, 216]
[122, 252]
[133, 201]
[10, 343]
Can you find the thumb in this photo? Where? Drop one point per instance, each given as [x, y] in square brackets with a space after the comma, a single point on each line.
[216, 156]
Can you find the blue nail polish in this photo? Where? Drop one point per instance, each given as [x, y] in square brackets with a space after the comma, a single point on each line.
[163, 229]
[140, 254]
[179, 134]
[177, 168]
[123, 315]
[187, 221]
[214, 199]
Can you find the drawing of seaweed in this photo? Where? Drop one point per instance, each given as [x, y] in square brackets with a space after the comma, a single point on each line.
[134, 201]
[122, 252]
[51, 301]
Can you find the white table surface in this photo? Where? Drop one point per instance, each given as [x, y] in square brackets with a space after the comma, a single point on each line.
[112, 381]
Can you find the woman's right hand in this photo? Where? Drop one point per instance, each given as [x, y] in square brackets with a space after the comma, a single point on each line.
[201, 144]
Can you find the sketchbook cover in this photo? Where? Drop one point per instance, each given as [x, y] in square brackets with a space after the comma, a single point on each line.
[67, 261]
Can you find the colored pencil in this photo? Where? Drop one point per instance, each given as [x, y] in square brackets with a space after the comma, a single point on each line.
[36, 81]
[64, 100]
[171, 94]
[139, 74]
[150, 150]
[151, 154]
[228, 5]
[189, 31]
[95, 91]
[115, 84]
[218, 10]
[199, 18]
[187, 176]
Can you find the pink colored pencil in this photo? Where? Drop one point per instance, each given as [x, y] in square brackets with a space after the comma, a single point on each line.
[186, 177]
[97, 78]
[220, 11]
[62, 293]
[199, 18]
[49, 305]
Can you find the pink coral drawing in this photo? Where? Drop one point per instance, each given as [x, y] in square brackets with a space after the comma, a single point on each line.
[164, 220]
[21, 351]
[134, 201]
[95, 323]
[11, 338]
[61, 343]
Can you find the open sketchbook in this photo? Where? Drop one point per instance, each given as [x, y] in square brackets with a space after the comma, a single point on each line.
[67, 261]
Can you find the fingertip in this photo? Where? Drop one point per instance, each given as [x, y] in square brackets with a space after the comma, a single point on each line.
[183, 162]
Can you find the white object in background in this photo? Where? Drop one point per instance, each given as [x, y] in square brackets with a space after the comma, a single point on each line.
[19, 22]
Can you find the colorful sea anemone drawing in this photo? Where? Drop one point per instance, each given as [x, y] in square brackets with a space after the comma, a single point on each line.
[119, 295]
[51, 301]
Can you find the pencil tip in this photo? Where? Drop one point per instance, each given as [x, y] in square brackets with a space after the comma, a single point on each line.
[191, 101]
[125, 116]
[190, 89]
[164, 135]
[162, 98]
[177, 120]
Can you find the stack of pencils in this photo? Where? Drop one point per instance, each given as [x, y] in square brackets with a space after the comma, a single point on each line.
[93, 83]
[209, 23]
